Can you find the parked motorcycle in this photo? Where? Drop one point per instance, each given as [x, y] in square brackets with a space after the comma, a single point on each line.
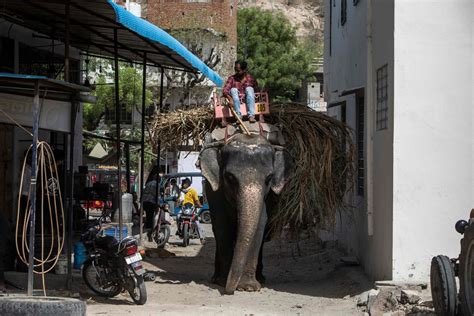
[161, 226]
[112, 266]
[187, 227]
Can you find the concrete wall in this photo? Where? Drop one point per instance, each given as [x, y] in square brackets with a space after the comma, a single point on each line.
[345, 66]
[433, 142]
[380, 243]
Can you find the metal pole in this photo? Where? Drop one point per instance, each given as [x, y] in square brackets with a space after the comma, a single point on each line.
[142, 154]
[34, 155]
[158, 151]
[70, 213]
[66, 44]
[117, 125]
[127, 166]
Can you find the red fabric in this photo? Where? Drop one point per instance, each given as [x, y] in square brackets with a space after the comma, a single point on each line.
[235, 82]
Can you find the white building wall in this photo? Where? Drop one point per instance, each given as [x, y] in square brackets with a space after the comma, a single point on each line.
[345, 65]
[433, 141]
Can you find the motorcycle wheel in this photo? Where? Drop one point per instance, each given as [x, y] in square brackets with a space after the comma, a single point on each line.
[443, 286]
[138, 293]
[206, 217]
[185, 235]
[161, 238]
[466, 272]
[92, 280]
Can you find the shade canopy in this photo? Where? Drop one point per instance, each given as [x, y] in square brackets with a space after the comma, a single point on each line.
[92, 24]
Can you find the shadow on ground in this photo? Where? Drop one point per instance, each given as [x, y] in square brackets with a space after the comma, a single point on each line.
[304, 268]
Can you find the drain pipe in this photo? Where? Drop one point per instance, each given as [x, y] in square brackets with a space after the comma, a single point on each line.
[370, 123]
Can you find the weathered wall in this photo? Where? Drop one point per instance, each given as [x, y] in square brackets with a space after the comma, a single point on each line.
[220, 15]
[433, 143]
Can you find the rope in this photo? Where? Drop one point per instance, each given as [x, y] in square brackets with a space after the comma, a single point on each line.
[49, 187]
[14, 121]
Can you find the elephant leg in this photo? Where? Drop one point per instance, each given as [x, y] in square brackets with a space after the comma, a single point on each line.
[223, 230]
[248, 281]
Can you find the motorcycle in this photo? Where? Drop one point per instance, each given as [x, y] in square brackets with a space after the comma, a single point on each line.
[112, 266]
[444, 290]
[187, 227]
[161, 226]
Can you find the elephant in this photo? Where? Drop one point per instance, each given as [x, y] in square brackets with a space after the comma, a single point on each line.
[243, 175]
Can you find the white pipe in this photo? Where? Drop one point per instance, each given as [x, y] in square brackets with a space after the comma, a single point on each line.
[370, 124]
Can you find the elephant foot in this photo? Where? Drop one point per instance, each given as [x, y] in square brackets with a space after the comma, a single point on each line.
[261, 278]
[249, 284]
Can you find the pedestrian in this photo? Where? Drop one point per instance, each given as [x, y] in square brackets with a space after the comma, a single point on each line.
[150, 205]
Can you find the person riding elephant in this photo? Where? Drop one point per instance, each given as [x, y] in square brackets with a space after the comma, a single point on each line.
[243, 175]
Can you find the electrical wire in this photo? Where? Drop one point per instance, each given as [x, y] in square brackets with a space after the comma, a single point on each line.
[51, 197]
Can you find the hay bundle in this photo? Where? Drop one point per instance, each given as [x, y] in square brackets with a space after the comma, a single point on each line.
[321, 146]
[182, 127]
[324, 154]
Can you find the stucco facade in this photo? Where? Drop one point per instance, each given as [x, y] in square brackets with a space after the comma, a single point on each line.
[406, 71]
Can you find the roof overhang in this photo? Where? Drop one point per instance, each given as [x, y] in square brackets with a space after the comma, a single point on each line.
[56, 101]
[92, 26]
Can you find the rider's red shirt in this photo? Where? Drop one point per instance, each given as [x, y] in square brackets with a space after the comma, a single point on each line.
[235, 82]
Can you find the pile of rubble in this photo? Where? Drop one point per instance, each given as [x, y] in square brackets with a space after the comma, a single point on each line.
[397, 300]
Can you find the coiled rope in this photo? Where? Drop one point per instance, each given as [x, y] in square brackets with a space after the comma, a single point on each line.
[50, 196]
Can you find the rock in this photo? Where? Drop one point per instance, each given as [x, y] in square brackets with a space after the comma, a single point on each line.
[397, 313]
[385, 301]
[350, 261]
[409, 297]
[427, 304]
[363, 299]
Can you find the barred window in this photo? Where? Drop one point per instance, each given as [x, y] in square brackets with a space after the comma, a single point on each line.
[382, 98]
[125, 115]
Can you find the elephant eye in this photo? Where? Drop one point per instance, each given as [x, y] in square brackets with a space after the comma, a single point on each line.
[268, 179]
[231, 178]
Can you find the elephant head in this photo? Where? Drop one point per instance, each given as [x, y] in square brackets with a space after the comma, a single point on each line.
[245, 169]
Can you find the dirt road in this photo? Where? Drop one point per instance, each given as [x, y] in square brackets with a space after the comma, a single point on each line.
[311, 282]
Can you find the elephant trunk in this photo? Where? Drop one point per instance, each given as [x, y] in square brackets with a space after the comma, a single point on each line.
[249, 215]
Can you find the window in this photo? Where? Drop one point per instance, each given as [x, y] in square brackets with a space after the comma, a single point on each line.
[360, 145]
[125, 115]
[382, 98]
[343, 12]
[355, 2]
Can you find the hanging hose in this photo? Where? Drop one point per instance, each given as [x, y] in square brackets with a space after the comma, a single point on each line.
[49, 190]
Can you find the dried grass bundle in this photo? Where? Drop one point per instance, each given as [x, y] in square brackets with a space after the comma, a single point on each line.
[324, 154]
[321, 146]
[182, 127]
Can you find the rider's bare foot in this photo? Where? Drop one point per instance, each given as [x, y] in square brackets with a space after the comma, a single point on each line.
[252, 119]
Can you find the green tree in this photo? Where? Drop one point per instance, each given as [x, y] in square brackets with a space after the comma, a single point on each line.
[274, 55]
[130, 94]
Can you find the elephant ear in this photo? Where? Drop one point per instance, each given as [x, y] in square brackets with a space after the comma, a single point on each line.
[209, 161]
[283, 165]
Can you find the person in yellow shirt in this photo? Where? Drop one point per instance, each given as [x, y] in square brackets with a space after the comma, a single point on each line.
[191, 199]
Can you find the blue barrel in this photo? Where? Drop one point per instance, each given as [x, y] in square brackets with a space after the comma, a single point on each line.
[79, 254]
